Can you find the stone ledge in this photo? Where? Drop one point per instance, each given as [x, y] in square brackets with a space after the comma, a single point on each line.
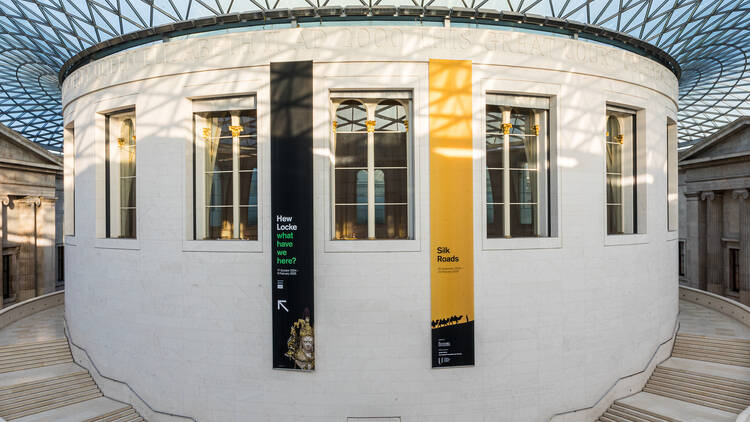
[26, 308]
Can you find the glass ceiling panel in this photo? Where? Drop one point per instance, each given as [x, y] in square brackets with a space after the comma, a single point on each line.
[710, 39]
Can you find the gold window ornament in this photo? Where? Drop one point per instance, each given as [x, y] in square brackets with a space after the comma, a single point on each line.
[536, 130]
[206, 132]
[334, 124]
[370, 125]
[236, 130]
[620, 139]
[506, 128]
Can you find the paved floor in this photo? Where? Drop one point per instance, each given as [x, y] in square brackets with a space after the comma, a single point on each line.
[41, 326]
[699, 320]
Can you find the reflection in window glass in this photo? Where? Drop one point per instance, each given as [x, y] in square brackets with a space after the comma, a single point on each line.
[516, 172]
[226, 182]
[371, 171]
[120, 175]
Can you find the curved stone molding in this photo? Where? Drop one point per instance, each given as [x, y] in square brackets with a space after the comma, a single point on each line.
[718, 303]
[21, 310]
[740, 194]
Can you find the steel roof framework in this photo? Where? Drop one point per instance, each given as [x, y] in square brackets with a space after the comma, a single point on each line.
[709, 39]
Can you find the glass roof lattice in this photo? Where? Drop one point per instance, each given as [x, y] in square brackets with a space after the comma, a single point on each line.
[710, 40]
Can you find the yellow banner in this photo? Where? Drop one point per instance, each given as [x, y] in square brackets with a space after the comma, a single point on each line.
[451, 213]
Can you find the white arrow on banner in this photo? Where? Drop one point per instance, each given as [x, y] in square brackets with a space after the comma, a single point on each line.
[280, 304]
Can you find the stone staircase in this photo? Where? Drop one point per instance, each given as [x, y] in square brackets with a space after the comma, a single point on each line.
[734, 352]
[39, 382]
[706, 379]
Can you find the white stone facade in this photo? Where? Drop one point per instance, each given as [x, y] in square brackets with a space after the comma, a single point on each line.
[187, 324]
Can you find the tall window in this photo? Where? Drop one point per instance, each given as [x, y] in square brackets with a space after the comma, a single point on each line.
[225, 169]
[371, 177]
[672, 204]
[120, 174]
[517, 173]
[621, 171]
[69, 182]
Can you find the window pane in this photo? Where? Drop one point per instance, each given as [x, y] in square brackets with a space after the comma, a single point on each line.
[495, 186]
[523, 152]
[127, 192]
[614, 219]
[495, 146]
[523, 186]
[351, 150]
[219, 223]
[614, 189]
[215, 124]
[351, 186]
[219, 188]
[390, 116]
[391, 222]
[614, 158]
[127, 223]
[391, 186]
[351, 221]
[521, 121]
[351, 116]
[248, 122]
[523, 220]
[495, 220]
[248, 223]
[248, 188]
[248, 154]
[219, 154]
[494, 119]
[390, 149]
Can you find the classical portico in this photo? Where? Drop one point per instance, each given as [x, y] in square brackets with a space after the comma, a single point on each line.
[29, 179]
[715, 213]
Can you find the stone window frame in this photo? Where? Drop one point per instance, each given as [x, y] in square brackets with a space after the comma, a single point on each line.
[496, 86]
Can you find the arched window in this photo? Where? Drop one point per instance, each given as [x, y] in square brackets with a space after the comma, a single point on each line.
[621, 170]
[120, 174]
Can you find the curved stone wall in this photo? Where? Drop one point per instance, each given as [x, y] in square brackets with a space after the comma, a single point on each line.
[187, 324]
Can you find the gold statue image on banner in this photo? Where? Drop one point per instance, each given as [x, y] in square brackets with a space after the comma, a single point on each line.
[301, 344]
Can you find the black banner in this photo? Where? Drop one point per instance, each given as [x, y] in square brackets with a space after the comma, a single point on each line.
[292, 215]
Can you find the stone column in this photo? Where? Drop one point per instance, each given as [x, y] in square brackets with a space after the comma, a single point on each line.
[742, 196]
[45, 245]
[693, 256]
[714, 229]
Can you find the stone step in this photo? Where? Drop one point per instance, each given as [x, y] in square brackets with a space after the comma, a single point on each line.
[82, 411]
[7, 361]
[688, 336]
[36, 364]
[125, 414]
[635, 414]
[675, 410]
[703, 385]
[53, 383]
[693, 398]
[23, 346]
[697, 391]
[704, 381]
[708, 358]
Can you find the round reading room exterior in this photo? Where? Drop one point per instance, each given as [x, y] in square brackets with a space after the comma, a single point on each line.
[373, 219]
